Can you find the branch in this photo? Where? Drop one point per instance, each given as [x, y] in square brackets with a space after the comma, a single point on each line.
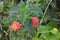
[45, 12]
[56, 20]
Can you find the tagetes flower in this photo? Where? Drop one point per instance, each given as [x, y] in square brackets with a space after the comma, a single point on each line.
[35, 21]
[16, 26]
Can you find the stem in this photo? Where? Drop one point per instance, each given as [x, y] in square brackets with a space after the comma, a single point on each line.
[0, 26]
[10, 33]
[16, 37]
[45, 12]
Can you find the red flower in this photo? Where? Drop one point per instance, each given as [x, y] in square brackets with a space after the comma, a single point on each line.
[16, 26]
[35, 22]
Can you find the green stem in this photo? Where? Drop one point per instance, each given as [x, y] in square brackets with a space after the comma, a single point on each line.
[45, 12]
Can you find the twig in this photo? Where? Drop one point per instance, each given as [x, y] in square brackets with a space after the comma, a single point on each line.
[0, 26]
[57, 20]
[45, 12]
[0, 23]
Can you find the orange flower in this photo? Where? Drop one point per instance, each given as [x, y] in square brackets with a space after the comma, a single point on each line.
[16, 26]
[35, 22]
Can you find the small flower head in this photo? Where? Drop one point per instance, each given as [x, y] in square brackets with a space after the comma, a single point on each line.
[35, 22]
[16, 26]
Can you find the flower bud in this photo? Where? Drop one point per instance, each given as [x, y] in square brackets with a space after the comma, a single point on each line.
[35, 22]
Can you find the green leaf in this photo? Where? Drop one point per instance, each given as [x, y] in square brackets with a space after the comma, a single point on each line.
[19, 7]
[47, 28]
[35, 10]
[54, 31]
[29, 28]
[52, 25]
[43, 29]
[13, 35]
[1, 6]
[52, 36]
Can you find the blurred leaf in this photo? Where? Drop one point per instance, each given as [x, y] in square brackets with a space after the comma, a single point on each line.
[5, 22]
[18, 7]
[47, 28]
[54, 31]
[35, 10]
[43, 29]
[13, 36]
[52, 25]
[29, 28]
[50, 36]
[53, 12]
[58, 36]
[1, 6]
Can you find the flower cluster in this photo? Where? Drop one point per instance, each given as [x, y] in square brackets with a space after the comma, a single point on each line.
[16, 26]
[35, 21]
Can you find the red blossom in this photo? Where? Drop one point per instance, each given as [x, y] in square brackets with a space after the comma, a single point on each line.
[16, 26]
[35, 21]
